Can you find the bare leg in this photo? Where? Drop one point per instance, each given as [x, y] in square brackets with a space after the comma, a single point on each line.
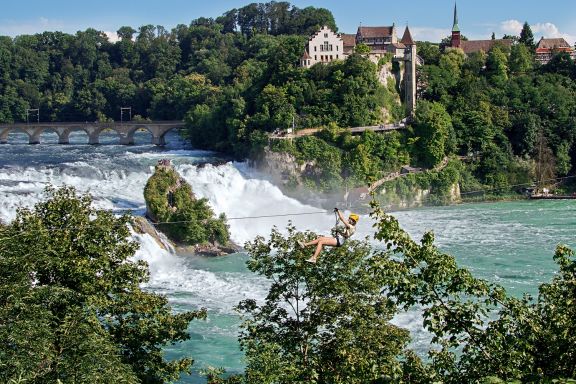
[320, 243]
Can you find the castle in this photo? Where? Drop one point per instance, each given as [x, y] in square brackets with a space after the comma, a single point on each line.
[326, 46]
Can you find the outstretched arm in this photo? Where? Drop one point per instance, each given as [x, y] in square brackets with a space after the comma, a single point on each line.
[342, 218]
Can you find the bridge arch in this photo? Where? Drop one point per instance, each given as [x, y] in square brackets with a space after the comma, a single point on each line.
[98, 134]
[15, 131]
[132, 134]
[39, 136]
[94, 130]
[158, 133]
[74, 132]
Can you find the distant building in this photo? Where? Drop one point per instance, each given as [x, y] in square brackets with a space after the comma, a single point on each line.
[472, 46]
[324, 46]
[381, 41]
[547, 48]
[349, 40]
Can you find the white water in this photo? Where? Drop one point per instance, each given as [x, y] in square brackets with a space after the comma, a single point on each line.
[509, 243]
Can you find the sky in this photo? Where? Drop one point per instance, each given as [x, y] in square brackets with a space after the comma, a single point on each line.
[429, 20]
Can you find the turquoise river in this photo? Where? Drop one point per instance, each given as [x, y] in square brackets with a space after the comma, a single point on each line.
[511, 243]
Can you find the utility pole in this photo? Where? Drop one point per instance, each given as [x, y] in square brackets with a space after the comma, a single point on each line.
[28, 110]
[129, 110]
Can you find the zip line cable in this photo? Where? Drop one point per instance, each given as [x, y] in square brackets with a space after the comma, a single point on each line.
[320, 212]
[187, 221]
[248, 217]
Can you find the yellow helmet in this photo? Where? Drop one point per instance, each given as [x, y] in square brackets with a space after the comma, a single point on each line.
[354, 217]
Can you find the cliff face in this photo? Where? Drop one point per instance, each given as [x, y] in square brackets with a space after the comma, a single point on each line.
[284, 171]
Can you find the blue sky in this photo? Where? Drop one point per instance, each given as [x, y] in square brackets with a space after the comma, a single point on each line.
[428, 19]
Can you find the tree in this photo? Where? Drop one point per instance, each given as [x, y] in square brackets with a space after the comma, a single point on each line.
[521, 60]
[317, 323]
[72, 309]
[429, 52]
[497, 66]
[526, 36]
[126, 33]
[432, 126]
[325, 324]
[362, 49]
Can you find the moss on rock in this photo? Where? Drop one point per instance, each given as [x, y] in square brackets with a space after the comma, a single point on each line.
[184, 219]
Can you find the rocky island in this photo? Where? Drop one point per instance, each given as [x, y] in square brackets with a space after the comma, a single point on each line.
[187, 221]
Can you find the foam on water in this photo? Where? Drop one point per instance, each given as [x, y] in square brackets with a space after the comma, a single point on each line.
[511, 243]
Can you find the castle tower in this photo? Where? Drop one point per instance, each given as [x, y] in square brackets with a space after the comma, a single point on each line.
[455, 41]
[410, 59]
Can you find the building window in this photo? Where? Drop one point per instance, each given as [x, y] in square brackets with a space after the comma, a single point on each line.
[336, 47]
[315, 58]
[336, 56]
[331, 48]
[330, 57]
[325, 45]
[326, 35]
[314, 48]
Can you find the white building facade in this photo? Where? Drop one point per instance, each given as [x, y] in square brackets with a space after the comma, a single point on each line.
[324, 46]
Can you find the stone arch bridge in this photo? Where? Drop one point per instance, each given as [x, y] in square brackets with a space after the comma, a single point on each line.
[125, 130]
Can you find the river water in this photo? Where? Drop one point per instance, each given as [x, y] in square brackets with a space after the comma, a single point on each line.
[511, 243]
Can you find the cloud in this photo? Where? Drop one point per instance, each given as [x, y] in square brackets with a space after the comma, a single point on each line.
[548, 30]
[112, 36]
[511, 27]
[429, 34]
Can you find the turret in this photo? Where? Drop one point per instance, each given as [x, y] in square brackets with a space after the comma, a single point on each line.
[410, 60]
[455, 41]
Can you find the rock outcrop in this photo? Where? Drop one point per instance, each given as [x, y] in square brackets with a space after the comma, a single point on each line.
[189, 222]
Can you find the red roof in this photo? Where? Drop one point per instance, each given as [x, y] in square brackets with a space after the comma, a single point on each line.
[407, 37]
[471, 46]
[348, 39]
[554, 43]
[367, 32]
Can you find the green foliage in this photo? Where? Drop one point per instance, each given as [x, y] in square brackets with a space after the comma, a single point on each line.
[362, 49]
[170, 200]
[409, 188]
[330, 323]
[499, 104]
[337, 157]
[526, 36]
[72, 309]
[432, 127]
[328, 161]
[429, 52]
[323, 324]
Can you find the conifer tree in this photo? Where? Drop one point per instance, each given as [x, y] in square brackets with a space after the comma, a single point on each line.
[526, 36]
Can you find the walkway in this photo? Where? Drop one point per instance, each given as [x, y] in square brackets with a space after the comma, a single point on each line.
[353, 130]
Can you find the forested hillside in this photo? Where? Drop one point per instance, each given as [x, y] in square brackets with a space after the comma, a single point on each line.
[229, 78]
[512, 119]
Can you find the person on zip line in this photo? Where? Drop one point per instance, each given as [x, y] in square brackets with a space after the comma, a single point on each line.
[340, 233]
